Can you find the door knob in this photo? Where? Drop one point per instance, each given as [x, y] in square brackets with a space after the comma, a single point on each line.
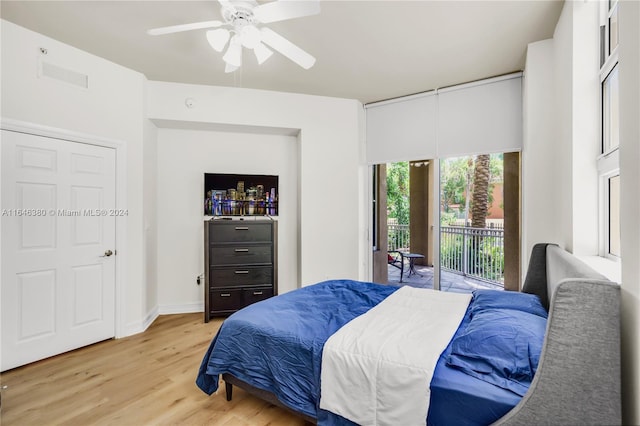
[107, 253]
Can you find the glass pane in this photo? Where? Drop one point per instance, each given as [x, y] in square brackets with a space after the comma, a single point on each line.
[472, 223]
[610, 111]
[614, 215]
[613, 30]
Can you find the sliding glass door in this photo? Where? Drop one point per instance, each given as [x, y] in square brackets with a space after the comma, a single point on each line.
[479, 219]
[450, 224]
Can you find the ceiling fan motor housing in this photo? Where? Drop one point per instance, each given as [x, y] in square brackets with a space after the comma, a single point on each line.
[239, 14]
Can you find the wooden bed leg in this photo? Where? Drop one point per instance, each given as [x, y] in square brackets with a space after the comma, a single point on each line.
[228, 387]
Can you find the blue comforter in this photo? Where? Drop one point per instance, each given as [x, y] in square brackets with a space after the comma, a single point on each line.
[276, 345]
[257, 346]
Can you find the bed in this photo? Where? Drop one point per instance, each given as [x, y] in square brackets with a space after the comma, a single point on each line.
[561, 343]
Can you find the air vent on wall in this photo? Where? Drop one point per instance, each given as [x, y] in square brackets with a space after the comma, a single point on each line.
[62, 74]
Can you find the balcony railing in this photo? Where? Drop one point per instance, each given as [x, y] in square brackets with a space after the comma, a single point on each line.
[473, 252]
[398, 237]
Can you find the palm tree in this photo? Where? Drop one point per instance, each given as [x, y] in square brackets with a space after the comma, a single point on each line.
[480, 204]
[479, 208]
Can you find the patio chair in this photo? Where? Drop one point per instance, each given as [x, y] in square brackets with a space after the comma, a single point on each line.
[394, 259]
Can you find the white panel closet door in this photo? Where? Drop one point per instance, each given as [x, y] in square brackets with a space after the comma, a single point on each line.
[58, 288]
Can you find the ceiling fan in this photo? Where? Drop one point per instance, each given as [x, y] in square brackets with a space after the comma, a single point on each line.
[244, 17]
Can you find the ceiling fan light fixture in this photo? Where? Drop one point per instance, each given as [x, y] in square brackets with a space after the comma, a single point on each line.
[218, 38]
[262, 52]
[250, 36]
[233, 56]
[228, 68]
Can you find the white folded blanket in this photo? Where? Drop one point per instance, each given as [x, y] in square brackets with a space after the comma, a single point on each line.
[376, 370]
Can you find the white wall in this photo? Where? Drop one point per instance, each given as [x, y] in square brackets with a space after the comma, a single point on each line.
[563, 121]
[112, 107]
[539, 157]
[629, 64]
[184, 156]
[329, 166]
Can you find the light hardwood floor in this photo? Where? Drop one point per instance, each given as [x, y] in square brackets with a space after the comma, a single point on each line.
[146, 379]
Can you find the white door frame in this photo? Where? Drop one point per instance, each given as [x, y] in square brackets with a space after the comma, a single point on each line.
[121, 199]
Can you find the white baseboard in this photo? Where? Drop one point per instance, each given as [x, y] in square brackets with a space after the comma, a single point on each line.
[186, 308]
[140, 326]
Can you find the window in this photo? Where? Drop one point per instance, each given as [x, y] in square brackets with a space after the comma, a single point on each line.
[610, 113]
[612, 22]
[608, 160]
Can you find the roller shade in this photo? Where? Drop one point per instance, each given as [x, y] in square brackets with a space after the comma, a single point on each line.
[402, 129]
[476, 118]
[480, 118]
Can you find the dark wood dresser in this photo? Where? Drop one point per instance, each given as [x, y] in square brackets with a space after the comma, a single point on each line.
[240, 259]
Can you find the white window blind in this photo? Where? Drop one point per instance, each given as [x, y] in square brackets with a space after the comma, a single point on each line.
[402, 129]
[476, 118]
[480, 118]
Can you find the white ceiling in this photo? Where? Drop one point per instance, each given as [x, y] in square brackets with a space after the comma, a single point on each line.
[368, 50]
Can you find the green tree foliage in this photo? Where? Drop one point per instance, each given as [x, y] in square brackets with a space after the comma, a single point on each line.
[454, 172]
[457, 180]
[398, 191]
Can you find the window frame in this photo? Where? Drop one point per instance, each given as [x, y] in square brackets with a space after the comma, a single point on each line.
[605, 208]
[605, 141]
[608, 160]
[609, 242]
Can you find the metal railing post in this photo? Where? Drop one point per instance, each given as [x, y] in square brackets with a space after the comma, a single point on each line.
[465, 252]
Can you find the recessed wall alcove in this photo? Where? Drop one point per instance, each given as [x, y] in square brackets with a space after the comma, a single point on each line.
[186, 151]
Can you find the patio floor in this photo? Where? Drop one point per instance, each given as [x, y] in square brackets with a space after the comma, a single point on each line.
[448, 280]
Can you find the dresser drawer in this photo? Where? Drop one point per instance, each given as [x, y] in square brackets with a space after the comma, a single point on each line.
[240, 232]
[256, 294]
[240, 255]
[242, 275]
[225, 300]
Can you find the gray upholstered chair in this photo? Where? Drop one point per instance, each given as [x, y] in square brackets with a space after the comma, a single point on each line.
[578, 377]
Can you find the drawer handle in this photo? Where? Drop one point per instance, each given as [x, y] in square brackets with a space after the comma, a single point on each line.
[257, 293]
[242, 272]
[225, 294]
[242, 228]
[244, 250]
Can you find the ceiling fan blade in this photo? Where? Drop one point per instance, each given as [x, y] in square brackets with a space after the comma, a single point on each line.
[185, 27]
[226, 4]
[288, 49]
[286, 9]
